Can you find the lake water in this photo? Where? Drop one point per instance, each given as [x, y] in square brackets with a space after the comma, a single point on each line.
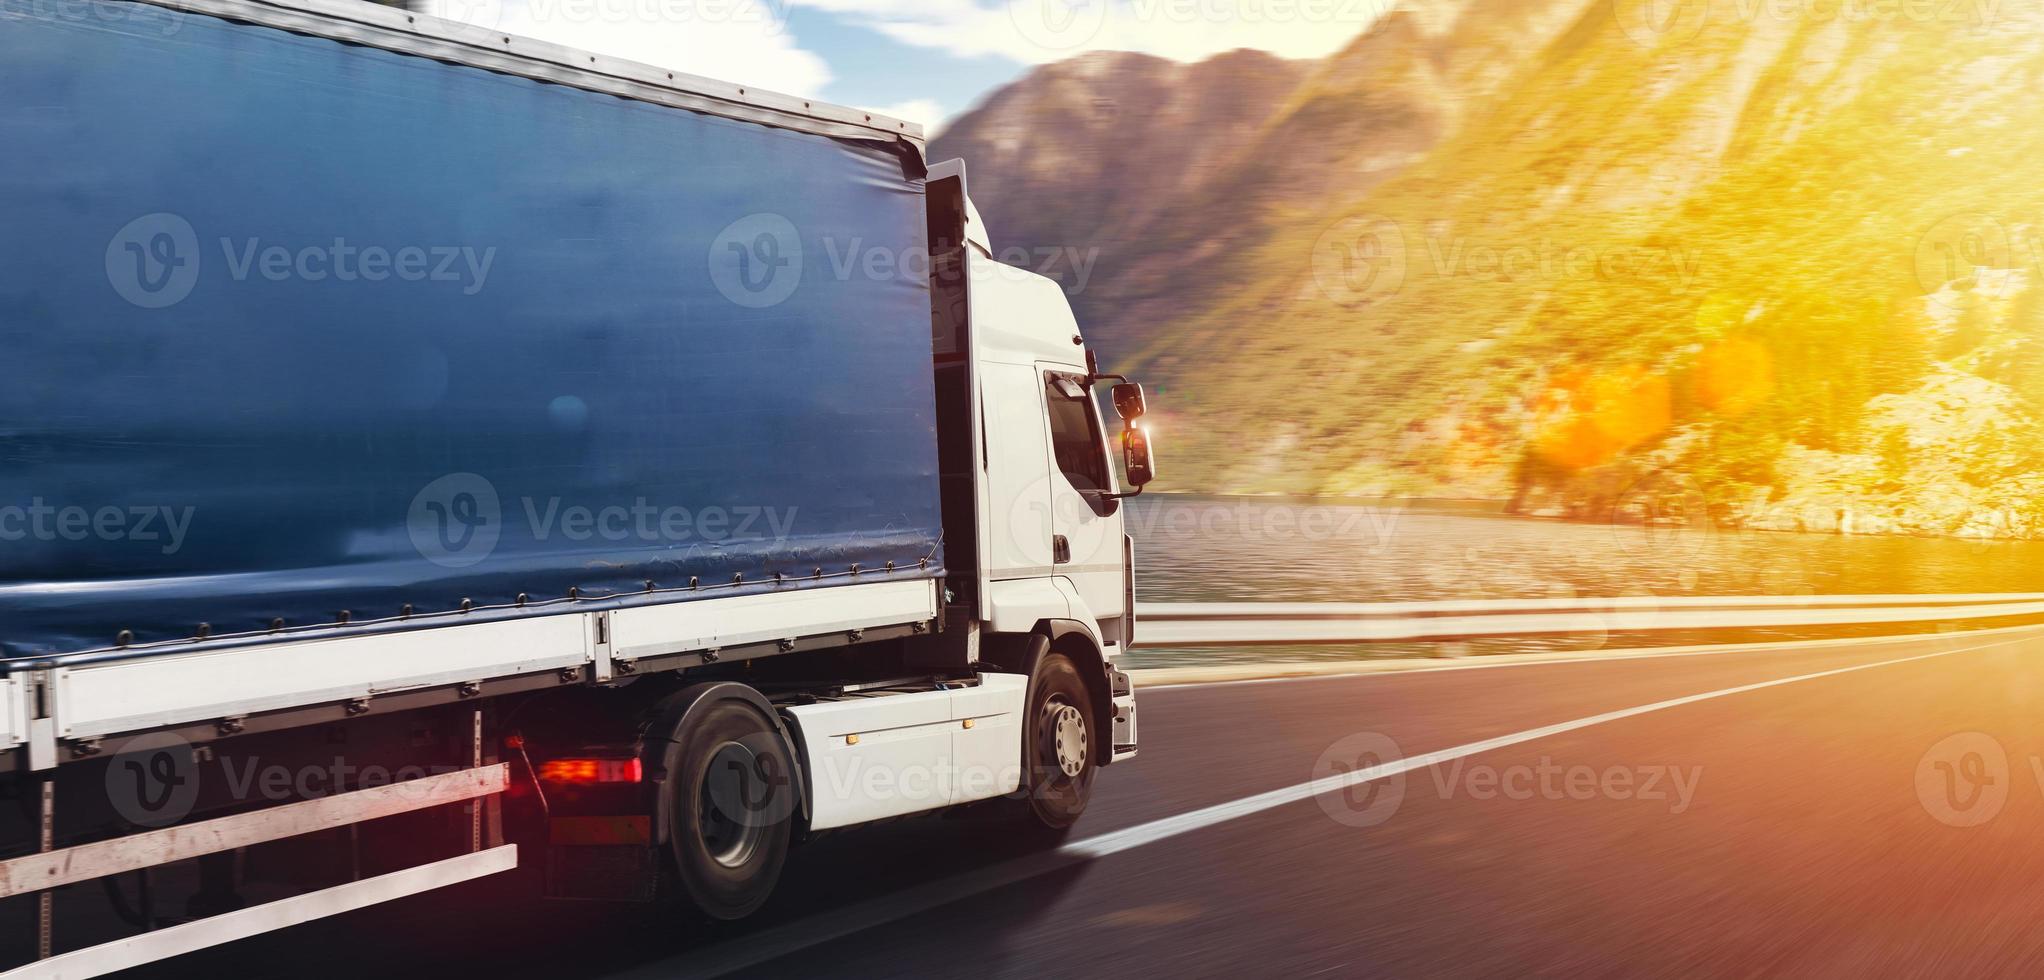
[1264, 549]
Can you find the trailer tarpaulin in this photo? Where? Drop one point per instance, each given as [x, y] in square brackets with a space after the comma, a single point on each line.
[300, 333]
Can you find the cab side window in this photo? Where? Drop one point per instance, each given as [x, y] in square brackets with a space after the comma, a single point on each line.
[1075, 433]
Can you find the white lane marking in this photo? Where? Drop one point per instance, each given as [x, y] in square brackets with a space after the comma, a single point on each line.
[1157, 830]
[768, 945]
[1614, 657]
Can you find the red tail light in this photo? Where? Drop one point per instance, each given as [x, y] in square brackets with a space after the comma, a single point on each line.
[590, 772]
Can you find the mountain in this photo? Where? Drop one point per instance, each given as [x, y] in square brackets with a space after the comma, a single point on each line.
[1095, 167]
[1760, 264]
[1157, 174]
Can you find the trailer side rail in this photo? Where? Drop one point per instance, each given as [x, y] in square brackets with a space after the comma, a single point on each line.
[38, 873]
[220, 690]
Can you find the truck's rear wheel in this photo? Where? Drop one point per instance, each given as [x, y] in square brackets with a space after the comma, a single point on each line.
[1059, 748]
[731, 804]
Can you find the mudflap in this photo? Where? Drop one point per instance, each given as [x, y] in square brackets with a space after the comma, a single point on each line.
[602, 859]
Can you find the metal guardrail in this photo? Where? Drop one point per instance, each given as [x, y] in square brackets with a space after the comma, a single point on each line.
[1251, 623]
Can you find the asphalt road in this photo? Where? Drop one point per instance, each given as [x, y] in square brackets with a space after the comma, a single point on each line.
[1870, 809]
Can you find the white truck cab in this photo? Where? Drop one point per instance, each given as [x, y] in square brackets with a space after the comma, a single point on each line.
[1040, 599]
[1057, 548]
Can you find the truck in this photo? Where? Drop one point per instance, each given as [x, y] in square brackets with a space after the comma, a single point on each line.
[430, 454]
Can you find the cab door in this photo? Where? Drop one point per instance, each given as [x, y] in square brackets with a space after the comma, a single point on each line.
[1087, 549]
[1019, 494]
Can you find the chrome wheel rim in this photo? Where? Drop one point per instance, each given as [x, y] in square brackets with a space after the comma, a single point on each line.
[1065, 727]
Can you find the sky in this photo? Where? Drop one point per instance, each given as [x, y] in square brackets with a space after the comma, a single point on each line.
[925, 61]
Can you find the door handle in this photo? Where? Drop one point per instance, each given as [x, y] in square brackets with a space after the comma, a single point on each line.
[1060, 550]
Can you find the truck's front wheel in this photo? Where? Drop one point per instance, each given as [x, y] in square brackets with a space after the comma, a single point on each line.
[731, 805]
[1059, 747]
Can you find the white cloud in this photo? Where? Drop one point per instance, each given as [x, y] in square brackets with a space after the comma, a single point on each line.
[925, 111]
[1040, 31]
[748, 41]
[735, 40]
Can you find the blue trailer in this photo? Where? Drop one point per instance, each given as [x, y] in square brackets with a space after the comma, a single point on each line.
[291, 339]
[620, 429]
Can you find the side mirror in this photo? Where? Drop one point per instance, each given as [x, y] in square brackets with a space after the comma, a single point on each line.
[1129, 402]
[1136, 453]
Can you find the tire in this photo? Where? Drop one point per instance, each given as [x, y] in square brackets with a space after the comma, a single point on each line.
[1058, 767]
[731, 808]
